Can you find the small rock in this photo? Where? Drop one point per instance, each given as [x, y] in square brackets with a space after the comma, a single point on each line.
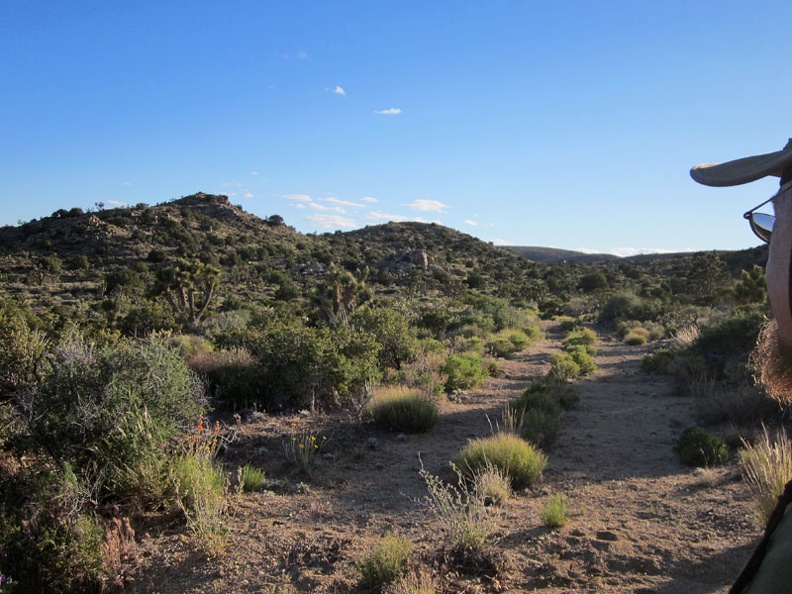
[401, 437]
[372, 443]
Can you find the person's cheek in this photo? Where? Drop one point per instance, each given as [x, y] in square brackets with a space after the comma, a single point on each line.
[778, 272]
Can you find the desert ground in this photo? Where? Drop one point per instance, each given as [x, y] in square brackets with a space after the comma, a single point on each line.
[640, 521]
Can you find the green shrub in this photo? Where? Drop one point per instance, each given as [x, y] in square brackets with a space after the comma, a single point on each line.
[555, 512]
[386, 562]
[234, 377]
[567, 323]
[637, 336]
[583, 358]
[251, 478]
[106, 410]
[657, 362]
[581, 337]
[698, 447]
[522, 462]
[501, 347]
[563, 367]
[464, 371]
[541, 427]
[402, 410]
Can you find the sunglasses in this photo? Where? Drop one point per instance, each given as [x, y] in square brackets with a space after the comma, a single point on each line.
[761, 223]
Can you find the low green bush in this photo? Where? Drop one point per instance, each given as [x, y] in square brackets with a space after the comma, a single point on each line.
[637, 336]
[563, 367]
[509, 453]
[583, 358]
[698, 447]
[464, 371]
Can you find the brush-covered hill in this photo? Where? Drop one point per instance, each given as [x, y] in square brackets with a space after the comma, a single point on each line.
[81, 260]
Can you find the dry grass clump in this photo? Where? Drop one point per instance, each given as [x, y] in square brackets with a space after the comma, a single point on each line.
[509, 453]
[767, 466]
[492, 485]
[555, 512]
[386, 562]
[412, 583]
[395, 408]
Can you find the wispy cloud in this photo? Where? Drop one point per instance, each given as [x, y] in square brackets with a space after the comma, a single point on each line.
[300, 55]
[338, 91]
[390, 111]
[427, 205]
[339, 202]
[471, 223]
[298, 197]
[116, 203]
[381, 216]
[248, 194]
[369, 199]
[331, 221]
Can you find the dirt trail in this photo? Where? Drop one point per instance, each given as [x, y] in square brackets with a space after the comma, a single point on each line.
[640, 522]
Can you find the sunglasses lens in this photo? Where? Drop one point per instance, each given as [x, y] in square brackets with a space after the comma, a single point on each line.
[762, 225]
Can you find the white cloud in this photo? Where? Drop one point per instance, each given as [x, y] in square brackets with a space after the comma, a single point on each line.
[469, 222]
[331, 222]
[254, 173]
[316, 206]
[381, 216]
[248, 194]
[370, 199]
[298, 197]
[391, 111]
[116, 203]
[499, 241]
[127, 183]
[339, 202]
[339, 91]
[427, 205]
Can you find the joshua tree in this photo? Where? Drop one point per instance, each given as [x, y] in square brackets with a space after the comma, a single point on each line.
[188, 287]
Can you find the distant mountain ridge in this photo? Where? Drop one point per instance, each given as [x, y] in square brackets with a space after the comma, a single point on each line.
[547, 255]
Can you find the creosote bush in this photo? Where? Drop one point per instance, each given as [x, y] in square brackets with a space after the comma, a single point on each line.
[522, 462]
[402, 410]
[698, 447]
[464, 371]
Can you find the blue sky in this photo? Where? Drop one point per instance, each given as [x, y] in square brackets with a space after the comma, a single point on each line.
[570, 124]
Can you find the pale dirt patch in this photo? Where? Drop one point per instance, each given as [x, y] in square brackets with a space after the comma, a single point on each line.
[640, 521]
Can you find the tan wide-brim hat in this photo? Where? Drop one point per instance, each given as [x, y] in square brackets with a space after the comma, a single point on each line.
[742, 171]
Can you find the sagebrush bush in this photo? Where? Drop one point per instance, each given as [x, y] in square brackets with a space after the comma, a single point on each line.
[466, 521]
[767, 467]
[464, 371]
[402, 410]
[386, 562]
[698, 447]
[522, 462]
